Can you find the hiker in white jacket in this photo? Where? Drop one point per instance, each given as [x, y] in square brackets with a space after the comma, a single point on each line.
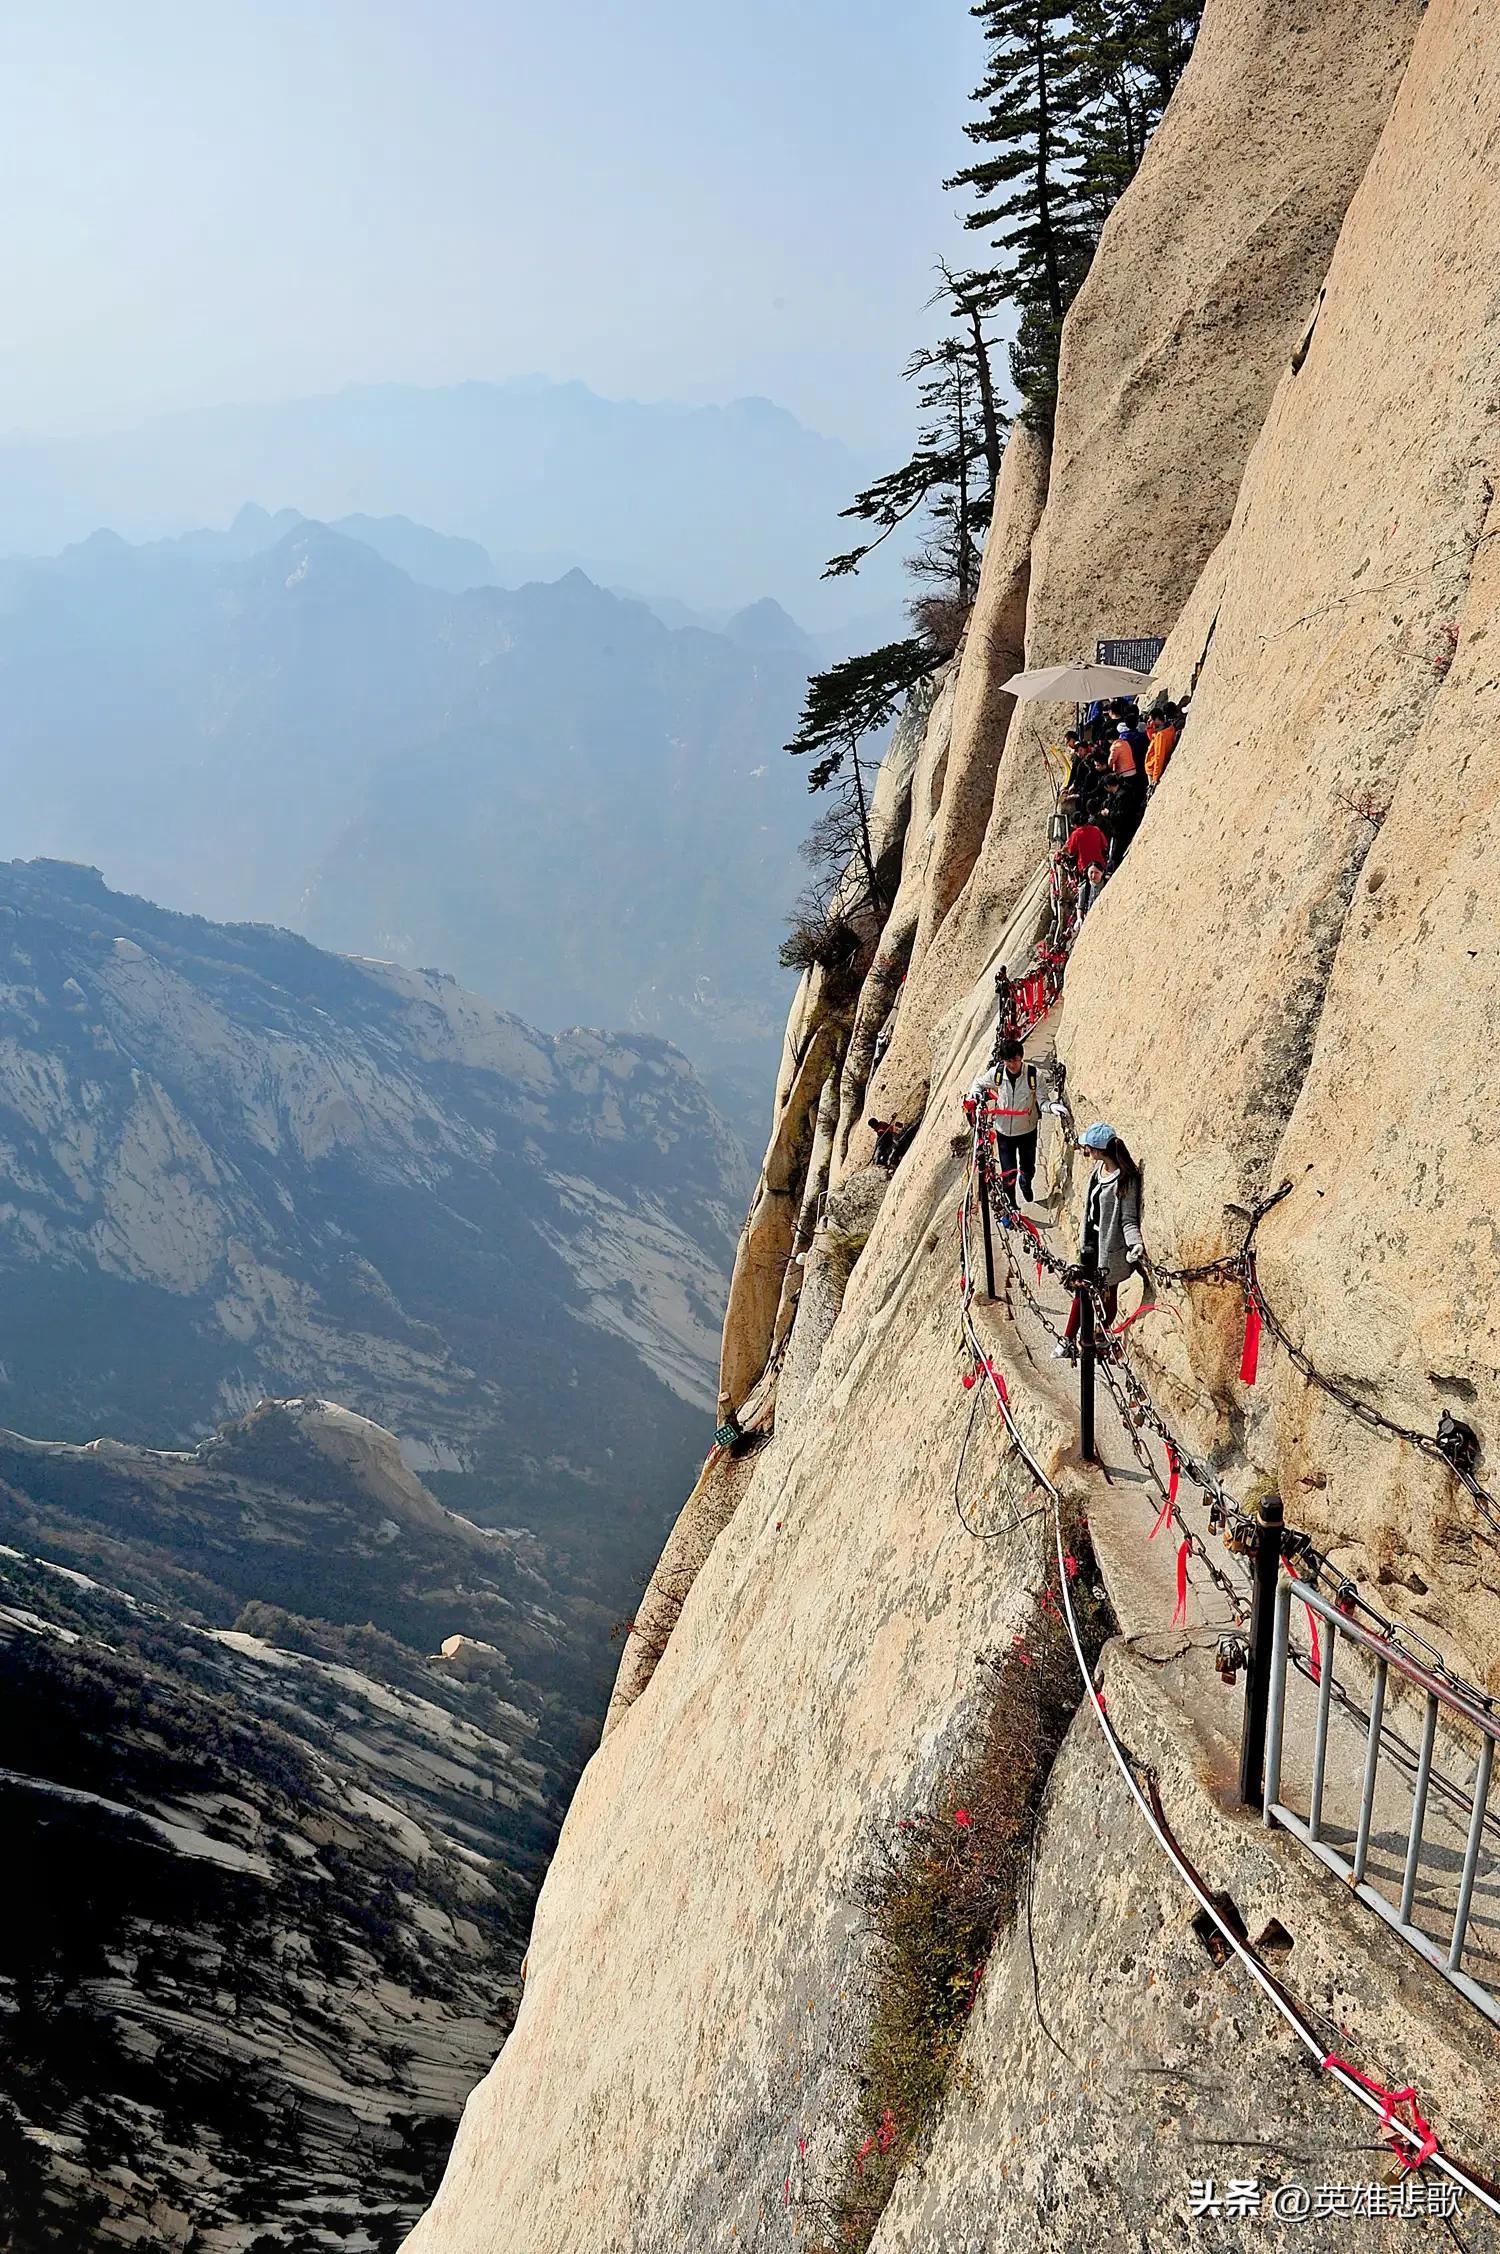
[1015, 1113]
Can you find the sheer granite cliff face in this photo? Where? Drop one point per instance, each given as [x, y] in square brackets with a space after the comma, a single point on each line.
[1326, 978]
[1292, 976]
[1205, 281]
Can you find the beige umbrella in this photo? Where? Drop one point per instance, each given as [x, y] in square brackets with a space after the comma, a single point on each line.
[1075, 684]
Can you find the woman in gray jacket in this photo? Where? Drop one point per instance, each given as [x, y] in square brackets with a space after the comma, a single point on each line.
[1112, 1247]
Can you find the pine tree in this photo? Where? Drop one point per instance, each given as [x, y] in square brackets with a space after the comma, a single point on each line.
[1073, 94]
[843, 706]
[954, 468]
[1026, 186]
[1128, 56]
[972, 298]
[1164, 35]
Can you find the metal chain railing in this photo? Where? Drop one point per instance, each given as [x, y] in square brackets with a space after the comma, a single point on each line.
[1229, 1519]
[1021, 1005]
[1455, 1445]
[1410, 2135]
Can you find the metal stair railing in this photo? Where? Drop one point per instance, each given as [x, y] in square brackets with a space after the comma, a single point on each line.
[1430, 1900]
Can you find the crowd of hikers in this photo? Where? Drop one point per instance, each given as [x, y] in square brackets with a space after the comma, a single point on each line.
[1116, 758]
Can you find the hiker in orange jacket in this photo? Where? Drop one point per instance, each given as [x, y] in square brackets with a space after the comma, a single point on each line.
[1159, 749]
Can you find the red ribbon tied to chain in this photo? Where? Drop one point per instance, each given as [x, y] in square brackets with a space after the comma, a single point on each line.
[1250, 1351]
[1390, 2102]
[1168, 1512]
[1148, 1307]
[1179, 1612]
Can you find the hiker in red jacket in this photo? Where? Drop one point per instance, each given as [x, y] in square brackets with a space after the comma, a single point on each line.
[1085, 846]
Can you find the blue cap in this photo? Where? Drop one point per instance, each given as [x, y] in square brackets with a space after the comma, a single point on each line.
[1097, 1137]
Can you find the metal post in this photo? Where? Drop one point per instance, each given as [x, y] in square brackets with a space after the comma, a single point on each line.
[1372, 1765]
[1265, 1572]
[1086, 1445]
[1471, 1853]
[984, 1210]
[1418, 1809]
[1320, 1730]
[1276, 1714]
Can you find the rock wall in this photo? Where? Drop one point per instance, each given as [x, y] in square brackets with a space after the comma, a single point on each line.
[818, 1034]
[1288, 977]
[1205, 280]
[1324, 977]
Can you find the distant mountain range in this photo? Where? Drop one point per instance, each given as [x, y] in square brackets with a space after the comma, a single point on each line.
[236, 1166]
[437, 559]
[586, 815]
[284, 1742]
[283, 1749]
[546, 477]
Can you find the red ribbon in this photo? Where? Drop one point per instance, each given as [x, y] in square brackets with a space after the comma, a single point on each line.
[1036, 1236]
[1179, 1615]
[1150, 1307]
[1250, 1352]
[1389, 2101]
[1164, 1515]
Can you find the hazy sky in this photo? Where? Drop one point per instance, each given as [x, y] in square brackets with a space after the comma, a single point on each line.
[216, 200]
